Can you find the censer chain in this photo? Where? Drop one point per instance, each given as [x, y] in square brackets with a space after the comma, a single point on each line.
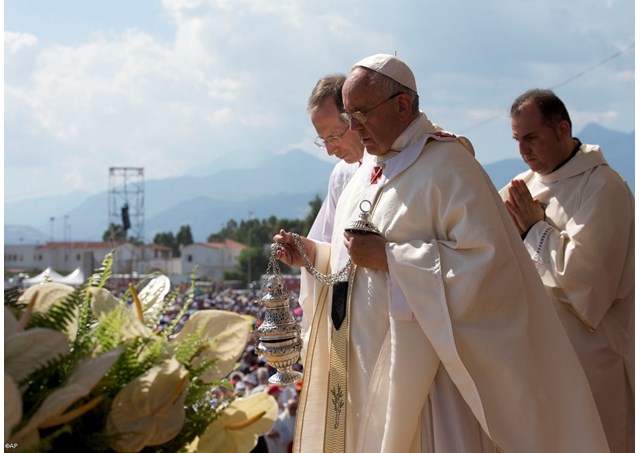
[327, 280]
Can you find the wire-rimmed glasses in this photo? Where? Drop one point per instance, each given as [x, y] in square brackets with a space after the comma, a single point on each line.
[361, 117]
[322, 142]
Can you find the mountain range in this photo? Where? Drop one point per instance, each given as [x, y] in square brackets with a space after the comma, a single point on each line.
[283, 186]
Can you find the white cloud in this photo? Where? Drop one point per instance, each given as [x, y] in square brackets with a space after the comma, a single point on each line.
[15, 42]
[625, 76]
[235, 76]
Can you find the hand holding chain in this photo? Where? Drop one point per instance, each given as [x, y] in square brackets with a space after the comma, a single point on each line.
[328, 280]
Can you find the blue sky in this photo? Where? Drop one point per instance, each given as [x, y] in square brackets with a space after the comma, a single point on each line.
[186, 86]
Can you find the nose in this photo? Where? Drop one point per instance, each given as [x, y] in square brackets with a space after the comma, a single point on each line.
[523, 148]
[332, 148]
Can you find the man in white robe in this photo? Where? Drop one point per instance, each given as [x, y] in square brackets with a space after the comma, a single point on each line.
[576, 218]
[447, 285]
[324, 107]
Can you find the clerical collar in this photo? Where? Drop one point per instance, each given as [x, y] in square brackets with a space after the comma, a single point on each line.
[573, 153]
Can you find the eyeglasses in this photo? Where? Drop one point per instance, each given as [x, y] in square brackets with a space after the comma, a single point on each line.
[361, 117]
[322, 142]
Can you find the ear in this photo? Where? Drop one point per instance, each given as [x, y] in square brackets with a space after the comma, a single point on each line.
[404, 106]
[563, 130]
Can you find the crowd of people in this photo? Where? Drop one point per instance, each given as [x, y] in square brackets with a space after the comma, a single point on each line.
[251, 375]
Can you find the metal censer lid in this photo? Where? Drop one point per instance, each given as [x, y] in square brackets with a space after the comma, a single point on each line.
[363, 224]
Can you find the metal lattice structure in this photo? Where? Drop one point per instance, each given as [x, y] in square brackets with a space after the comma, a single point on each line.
[126, 202]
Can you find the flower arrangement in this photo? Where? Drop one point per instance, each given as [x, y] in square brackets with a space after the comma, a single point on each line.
[87, 371]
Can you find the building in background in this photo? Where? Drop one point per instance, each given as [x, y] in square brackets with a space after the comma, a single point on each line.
[212, 258]
[130, 261]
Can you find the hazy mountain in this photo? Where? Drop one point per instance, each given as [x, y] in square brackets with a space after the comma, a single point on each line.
[617, 147]
[38, 211]
[282, 186]
[16, 234]
[503, 171]
[207, 215]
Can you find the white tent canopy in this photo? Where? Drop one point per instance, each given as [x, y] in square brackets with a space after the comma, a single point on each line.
[47, 274]
[75, 278]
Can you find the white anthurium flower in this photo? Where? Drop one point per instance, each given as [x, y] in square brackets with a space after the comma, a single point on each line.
[152, 296]
[12, 405]
[150, 409]
[102, 301]
[52, 410]
[238, 427]
[50, 293]
[26, 350]
[227, 335]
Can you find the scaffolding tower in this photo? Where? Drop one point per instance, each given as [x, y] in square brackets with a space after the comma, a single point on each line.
[126, 203]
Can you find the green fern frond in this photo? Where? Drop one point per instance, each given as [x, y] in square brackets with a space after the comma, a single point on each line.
[102, 274]
[202, 367]
[107, 332]
[42, 381]
[154, 322]
[86, 320]
[138, 356]
[11, 297]
[11, 303]
[60, 315]
[171, 326]
[189, 347]
[84, 341]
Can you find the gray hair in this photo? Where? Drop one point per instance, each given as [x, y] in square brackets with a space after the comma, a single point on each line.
[328, 87]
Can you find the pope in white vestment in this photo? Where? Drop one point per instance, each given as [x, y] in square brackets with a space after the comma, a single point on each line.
[462, 294]
[585, 253]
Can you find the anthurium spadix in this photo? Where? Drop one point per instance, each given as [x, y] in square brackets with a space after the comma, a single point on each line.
[103, 303]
